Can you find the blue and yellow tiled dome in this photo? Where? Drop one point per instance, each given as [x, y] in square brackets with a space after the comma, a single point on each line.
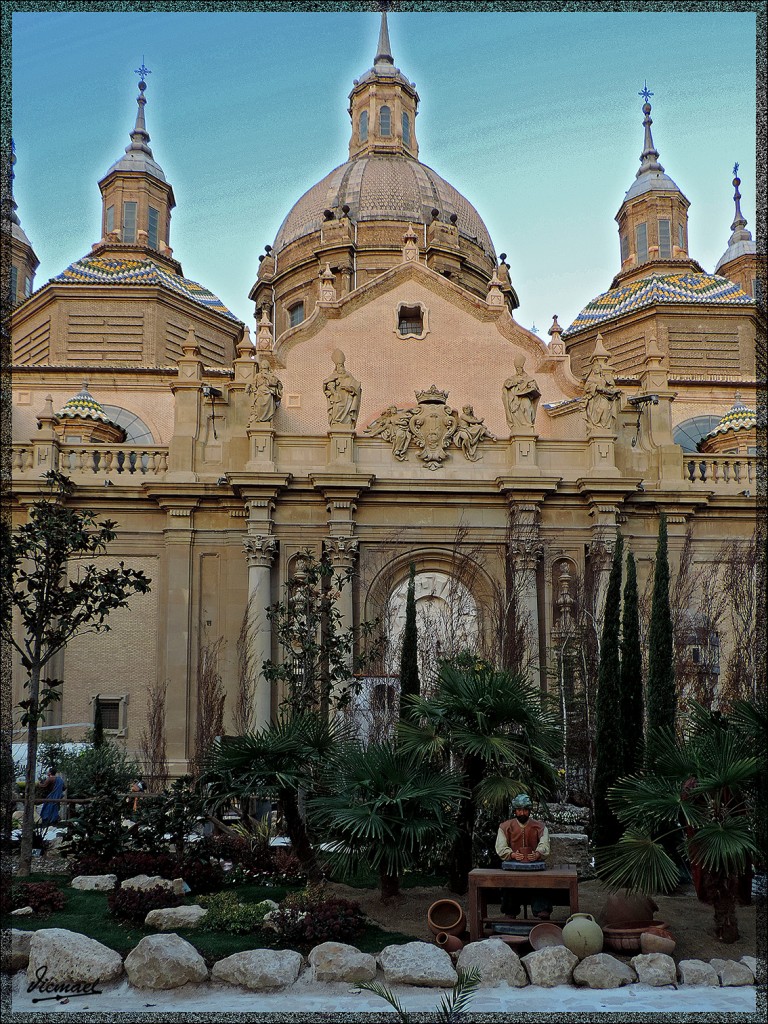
[108, 270]
[658, 289]
[84, 406]
[738, 417]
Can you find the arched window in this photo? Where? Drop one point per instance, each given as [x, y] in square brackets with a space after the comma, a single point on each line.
[406, 130]
[385, 121]
[688, 433]
[136, 430]
[363, 126]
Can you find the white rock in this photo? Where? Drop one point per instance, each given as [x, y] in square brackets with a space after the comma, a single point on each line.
[143, 882]
[22, 912]
[19, 957]
[94, 883]
[417, 963]
[655, 969]
[732, 972]
[336, 961]
[66, 956]
[697, 972]
[751, 963]
[495, 961]
[259, 968]
[165, 919]
[601, 970]
[164, 961]
[550, 966]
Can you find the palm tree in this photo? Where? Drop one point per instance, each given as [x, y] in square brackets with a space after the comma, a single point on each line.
[383, 806]
[278, 762]
[496, 731]
[698, 790]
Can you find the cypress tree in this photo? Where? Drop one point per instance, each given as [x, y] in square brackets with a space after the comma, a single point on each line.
[661, 696]
[631, 677]
[608, 740]
[409, 655]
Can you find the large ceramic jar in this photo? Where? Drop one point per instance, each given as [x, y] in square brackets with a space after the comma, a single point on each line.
[583, 935]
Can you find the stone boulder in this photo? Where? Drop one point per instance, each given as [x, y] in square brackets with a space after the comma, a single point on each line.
[65, 956]
[655, 969]
[570, 849]
[601, 970]
[550, 966]
[166, 919]
[697, 972]
[336, 961]
[732, 972]
[164, 961]
[19, 953]
[751, 963]
[495, 961]
[22, 912]
[417, 963]
[258, 969]
[94, 883]
[143, 882]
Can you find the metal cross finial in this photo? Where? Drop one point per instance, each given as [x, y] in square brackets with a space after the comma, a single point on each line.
[645, 92]
[735, 170]
[143, 71]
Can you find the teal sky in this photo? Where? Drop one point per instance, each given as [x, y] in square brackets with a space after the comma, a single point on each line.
[535, 117]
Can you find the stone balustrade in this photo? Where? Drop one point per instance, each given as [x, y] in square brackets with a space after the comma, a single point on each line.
[729, 472]
[85, 460]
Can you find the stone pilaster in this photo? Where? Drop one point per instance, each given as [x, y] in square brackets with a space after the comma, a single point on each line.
[526, 551]
[186, 426]
[260, 550]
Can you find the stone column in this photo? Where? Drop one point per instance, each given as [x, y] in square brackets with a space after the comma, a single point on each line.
[260, 550]
[526, 551]
[342, 552]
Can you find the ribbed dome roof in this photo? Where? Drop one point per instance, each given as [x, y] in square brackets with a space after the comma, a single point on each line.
[383, 186]
[738, 417]
[84, 406]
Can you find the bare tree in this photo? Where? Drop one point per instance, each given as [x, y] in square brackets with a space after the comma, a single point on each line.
[247, 672]
[739, 570]
[210, 702]
[152, 745]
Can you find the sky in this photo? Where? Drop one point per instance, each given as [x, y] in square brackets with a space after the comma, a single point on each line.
[534, 116]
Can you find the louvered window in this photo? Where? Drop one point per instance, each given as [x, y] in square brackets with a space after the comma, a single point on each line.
[641, 242]
[153, 225]
[406, 130]
[665, 239]
[129, 222]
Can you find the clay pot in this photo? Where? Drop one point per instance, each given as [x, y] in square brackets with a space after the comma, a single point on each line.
[623, 910]
[450, 943]
[446, 916]
[583, 935]
[657, 940]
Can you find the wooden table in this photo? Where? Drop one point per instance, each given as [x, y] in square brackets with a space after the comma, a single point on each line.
[483, 879]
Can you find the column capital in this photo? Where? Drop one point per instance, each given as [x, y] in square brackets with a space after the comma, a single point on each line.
[342, 551]
[260, 550]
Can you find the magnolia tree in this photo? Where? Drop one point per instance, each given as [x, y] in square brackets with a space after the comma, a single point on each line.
[57, 594]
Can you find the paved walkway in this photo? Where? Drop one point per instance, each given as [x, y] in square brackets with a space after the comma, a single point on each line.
[314, 998]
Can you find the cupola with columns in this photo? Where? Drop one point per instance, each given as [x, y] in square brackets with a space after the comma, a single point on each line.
[383, 106]
[740, 262]
[136, 198]
[21, 260]
[653, 218]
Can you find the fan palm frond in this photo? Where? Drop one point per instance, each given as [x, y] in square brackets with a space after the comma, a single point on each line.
[639, 863]
[721, 847]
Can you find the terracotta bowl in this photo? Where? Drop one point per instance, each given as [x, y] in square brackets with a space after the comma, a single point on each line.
[546, 934]
[626, 937]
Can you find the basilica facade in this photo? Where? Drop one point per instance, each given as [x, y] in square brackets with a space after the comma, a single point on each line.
[389, 410]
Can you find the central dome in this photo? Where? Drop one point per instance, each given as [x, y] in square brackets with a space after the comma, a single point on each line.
[383, 187]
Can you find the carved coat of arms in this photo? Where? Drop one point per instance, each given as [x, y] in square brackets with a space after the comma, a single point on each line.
[433, 426]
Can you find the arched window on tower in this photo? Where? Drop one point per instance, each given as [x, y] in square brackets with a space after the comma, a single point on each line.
[385, 121]
[363, 126]
[406, 130]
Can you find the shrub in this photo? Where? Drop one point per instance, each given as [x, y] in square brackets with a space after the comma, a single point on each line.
[98, 771]
[201, 876]
[43, 897]
[310, 917]
[169, 817]
[133, 862]
[251, 851]
[96, 832]
[227, 914]
[90, 864]
[135, 904]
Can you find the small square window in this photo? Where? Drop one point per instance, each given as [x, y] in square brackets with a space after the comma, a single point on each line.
[112, 714]
[410, 320]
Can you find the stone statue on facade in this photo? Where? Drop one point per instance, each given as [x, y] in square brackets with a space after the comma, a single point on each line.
[601, 396]
[393, 426]
[470, 431]
[521, 397]
[342, 392]
[266, 390]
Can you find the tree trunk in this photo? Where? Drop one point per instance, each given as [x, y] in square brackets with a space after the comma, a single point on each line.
[389, 885]
[721, 890]
[460, 860]
[297, 831]
[28, 821]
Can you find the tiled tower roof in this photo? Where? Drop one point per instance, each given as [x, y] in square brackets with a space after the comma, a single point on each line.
[84, 406]
[104, 270]
[738, 417]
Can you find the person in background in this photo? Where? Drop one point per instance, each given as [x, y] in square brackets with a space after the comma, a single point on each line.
[52, 789]
[525, 839]
[138, 786]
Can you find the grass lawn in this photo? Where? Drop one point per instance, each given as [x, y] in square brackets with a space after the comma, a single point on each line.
[88, 914]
